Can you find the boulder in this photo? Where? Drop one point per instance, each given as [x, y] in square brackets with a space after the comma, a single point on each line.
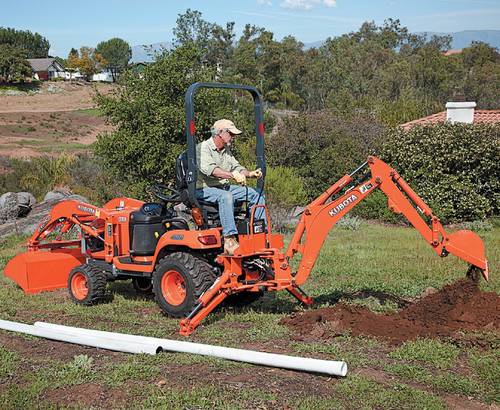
[55, 196]
[26, 199]
[28, 224]
[14, 205]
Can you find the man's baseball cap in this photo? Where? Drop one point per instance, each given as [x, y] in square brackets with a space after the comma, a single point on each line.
[226, 125]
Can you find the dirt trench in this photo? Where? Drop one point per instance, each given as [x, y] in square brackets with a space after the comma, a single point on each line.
[460, 306]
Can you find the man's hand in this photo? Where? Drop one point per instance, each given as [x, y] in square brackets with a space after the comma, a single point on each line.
[239, 177]
[255, 174]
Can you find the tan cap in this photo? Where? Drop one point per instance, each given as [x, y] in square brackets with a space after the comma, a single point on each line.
[226, 125]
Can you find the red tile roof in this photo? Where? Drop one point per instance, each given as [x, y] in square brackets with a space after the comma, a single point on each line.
[480, 116]
[453, 52]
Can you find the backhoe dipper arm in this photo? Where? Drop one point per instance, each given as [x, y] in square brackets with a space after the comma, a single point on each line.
[322, 214]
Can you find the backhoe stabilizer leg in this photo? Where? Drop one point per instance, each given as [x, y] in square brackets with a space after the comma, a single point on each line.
[301, 296]
[188, 325]
[207, 302]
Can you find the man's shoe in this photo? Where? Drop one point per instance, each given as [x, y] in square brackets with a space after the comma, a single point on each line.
[230, 245]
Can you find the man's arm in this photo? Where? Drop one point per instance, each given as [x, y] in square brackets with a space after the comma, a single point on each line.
[221, 174]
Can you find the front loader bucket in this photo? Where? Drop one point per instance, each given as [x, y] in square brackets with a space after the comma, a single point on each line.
[468, 246]
[36, 271]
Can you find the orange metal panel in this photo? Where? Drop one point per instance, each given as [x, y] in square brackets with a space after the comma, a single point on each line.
[36, 271]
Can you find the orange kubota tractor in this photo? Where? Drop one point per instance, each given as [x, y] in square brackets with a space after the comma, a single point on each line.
[186, 268]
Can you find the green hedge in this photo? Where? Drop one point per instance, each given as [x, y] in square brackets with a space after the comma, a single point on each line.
[453, 167]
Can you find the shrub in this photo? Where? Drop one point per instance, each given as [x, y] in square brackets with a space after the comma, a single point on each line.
[453, 167]
[38, 176]
[374, 206]
[284, 191]
[350, 223]
[323, 146]
[89, 179]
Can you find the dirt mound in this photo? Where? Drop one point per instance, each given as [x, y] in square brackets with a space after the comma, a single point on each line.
[459, 306]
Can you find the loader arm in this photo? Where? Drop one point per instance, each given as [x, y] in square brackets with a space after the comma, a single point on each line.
[323, 213]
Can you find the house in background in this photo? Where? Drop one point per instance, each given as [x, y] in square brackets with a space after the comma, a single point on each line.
[103, 76]
[464, 112]
[46, 68]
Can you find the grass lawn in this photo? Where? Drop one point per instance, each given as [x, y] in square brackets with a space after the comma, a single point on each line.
[385, 263]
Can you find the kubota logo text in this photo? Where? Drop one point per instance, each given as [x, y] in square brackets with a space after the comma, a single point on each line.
[342, 205]
[86, 209]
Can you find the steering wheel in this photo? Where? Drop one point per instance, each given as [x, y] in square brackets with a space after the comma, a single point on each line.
[159, 192]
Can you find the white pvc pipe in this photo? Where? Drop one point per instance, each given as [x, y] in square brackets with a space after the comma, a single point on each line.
[334, 368]
[81, 339]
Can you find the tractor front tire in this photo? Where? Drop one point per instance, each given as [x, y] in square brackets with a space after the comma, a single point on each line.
[87, 285]
[179, 280]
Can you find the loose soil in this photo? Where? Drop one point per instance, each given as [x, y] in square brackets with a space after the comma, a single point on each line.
[461, 306]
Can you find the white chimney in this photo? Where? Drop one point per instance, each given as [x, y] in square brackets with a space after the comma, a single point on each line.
[460, 112]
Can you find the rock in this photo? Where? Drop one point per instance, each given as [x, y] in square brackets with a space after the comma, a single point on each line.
[13, 205]
[9, 209]
[54, 196]
[26, 198]
[28, 224]
[4, 198]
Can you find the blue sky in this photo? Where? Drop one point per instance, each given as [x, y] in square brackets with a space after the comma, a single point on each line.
[73, 24]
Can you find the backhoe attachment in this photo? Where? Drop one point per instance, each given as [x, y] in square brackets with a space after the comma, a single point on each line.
[326, 210]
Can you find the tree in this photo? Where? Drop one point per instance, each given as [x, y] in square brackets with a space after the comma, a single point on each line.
[117, 53]
[33, 45]
[191, 28]
[13, 64]
[87, 61]
[148, 114]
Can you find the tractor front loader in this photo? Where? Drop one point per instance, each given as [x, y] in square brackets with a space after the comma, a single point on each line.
[182, 261]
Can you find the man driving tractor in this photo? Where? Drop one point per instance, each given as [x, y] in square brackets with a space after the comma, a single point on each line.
[217, 166]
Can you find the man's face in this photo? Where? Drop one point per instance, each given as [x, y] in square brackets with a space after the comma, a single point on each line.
[227, 137]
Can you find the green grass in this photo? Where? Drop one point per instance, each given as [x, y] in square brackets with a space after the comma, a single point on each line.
[429, 351]
[64, 147]
[89, 112]
[362, 393]
[449, 382]
[8, 362]
[24, 87]
[134, 368]
[386, 263]
[486, 366]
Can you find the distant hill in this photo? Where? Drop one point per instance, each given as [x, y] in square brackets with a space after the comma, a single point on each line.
[461, 39]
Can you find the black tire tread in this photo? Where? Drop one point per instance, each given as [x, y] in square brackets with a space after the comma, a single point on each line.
[97, 285]
[200, 271]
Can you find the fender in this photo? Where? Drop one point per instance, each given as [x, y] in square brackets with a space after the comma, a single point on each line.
[206, 239]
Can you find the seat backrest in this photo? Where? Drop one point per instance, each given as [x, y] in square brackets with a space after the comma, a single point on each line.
[181, 167]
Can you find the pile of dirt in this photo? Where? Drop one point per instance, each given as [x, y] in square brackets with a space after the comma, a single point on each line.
[460, 306]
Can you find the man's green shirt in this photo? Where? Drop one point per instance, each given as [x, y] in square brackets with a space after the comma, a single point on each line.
[208, 158]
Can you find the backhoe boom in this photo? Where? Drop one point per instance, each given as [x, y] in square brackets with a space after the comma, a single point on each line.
[323, 213]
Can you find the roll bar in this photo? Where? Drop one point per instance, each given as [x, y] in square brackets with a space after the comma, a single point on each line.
[192, 171]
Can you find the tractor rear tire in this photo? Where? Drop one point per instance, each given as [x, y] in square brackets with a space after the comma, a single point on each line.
[87, 285]
[143, 286]
[179, 280]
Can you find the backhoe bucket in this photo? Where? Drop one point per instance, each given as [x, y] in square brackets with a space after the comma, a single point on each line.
[36, 271]
[468, 246]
